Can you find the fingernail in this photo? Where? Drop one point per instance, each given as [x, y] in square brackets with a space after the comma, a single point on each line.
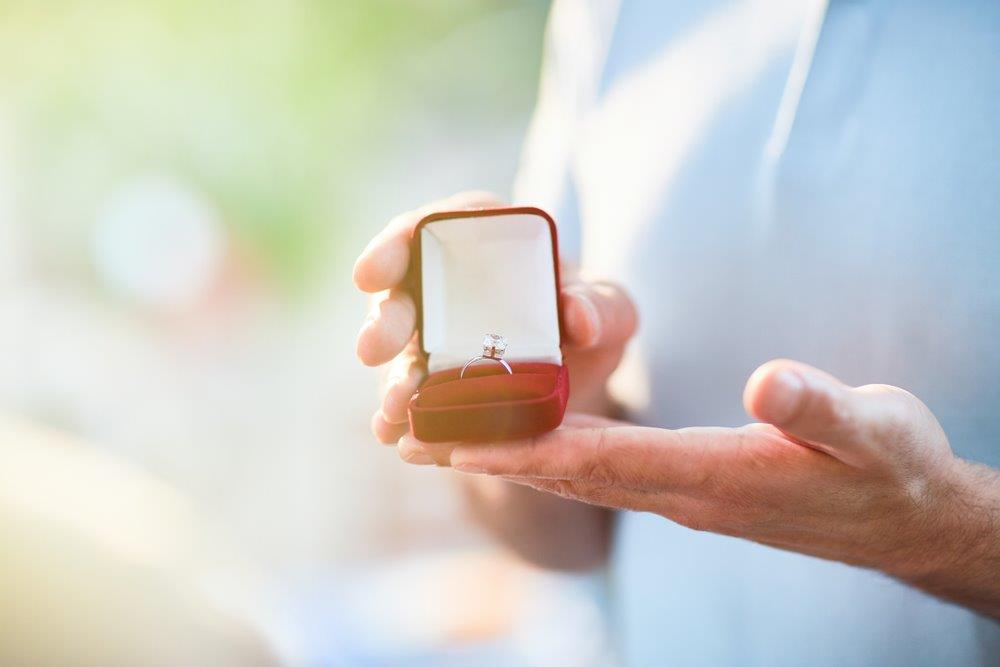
[413, 453]
[418, 458]
[415, 456]
[784, 396]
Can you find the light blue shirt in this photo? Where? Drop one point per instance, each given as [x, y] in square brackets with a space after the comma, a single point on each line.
[777, 178]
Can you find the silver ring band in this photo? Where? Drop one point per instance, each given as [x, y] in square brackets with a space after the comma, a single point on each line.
[478, 359]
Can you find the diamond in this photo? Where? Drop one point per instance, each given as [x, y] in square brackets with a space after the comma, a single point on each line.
[494, 346]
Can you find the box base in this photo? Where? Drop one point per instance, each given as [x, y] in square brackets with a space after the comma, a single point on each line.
[489, 403]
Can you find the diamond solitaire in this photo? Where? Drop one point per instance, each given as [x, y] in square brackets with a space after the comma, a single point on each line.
[494, 346]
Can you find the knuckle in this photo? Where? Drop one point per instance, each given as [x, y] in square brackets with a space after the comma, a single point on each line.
[607, 496]
[832, 408]
[406, 220]
[562, 487]
[827, 406]
[601, 494]
[900, 419]
[624, 309]
[598, 469]
[402, 219]
[527, 466]
[402, 296]
[697, 479]
[598, 473]
[398, 307]
[900, 413]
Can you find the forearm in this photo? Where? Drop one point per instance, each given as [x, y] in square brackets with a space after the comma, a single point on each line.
[961, 549]
[543, 529]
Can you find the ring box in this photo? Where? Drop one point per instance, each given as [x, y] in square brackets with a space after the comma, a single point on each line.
[484, 271]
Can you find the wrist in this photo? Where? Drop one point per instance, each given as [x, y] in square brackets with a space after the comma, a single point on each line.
[957, 537]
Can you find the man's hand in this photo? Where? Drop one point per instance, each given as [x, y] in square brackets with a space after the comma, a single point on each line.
[387, 334]
[598, 320]
[860, 475]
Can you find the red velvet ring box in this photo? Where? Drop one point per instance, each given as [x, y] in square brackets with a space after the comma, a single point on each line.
[488, 271]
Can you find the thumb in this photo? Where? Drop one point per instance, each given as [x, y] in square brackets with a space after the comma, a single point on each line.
[856, 425]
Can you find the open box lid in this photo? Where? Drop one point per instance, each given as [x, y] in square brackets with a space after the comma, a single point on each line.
[487, 271]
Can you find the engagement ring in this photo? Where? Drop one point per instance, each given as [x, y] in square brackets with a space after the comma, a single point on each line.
[494, 346]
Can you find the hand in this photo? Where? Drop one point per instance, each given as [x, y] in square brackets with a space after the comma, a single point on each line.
[860, 475]
[598, 320]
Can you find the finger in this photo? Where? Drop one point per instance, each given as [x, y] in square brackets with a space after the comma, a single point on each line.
[846, 422]
[388, 328]
[386, 433]
[427, 452]
[682, 509]
[601, 495]
[384, 261]
[439, 453]
[411, 451]
[596, 314]
[626, 456]
[404, 379]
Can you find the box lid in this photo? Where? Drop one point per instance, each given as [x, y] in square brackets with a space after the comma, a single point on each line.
[487, 271]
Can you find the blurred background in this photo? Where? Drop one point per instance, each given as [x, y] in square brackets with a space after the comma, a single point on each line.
[183, 189]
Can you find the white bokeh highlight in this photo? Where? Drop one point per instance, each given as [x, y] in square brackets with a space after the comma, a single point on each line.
[158, 242]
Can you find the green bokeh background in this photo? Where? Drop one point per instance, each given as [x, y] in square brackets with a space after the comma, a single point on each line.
[276, 111]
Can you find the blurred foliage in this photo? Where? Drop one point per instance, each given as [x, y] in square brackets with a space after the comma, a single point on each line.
[272, 110]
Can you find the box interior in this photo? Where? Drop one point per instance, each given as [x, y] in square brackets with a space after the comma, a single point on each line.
[489, 274]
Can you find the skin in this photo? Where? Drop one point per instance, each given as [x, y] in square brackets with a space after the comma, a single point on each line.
[862, 475]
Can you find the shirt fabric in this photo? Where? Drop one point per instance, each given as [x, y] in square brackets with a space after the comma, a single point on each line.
[782, 178]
